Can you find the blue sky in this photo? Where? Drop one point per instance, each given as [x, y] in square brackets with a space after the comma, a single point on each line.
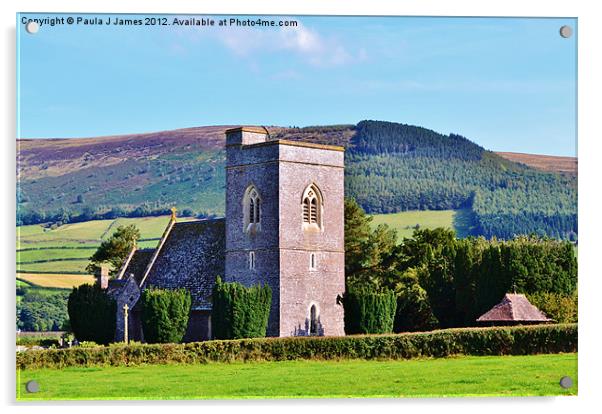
[507, 84]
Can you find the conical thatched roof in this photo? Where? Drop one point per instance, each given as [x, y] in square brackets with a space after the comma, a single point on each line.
[514, 308]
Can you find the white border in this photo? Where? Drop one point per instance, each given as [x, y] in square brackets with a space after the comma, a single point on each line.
[590, 287]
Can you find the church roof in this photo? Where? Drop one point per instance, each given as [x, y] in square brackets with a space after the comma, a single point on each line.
[137, 264]
[191, 256]
[115, 285]
[514, 307]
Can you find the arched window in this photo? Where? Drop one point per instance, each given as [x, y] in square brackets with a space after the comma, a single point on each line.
[311, 206]
[313, 320]
[251, 210]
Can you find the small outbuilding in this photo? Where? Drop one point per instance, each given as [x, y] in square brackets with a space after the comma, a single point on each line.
[514, 309]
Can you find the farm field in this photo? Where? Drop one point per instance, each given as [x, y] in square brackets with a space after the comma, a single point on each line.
[53, 280]
[533, 375]
[406, 221]
[88, 233]
[58, 253]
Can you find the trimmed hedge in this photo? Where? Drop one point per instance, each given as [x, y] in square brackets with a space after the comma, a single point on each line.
[239, 311]
[368, 312]
[165, 314]
[520, 340]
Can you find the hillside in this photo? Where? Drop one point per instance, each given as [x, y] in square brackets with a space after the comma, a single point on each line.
[65, 250]
[389, 168]
[548, 163]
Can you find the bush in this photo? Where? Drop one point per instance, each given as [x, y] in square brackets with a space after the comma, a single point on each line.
[368, 312]
[165, 314]
[239, 311]
[561, 308]
[38, 340]
[92, 314]
[414, 312]
[519, 340]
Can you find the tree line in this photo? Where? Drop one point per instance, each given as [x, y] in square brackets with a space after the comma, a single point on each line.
[442, 281]
[65, 216]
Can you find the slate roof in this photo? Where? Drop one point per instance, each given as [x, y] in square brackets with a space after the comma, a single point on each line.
[191, 256]
[514, 308]
[138, 263]
[115, 285]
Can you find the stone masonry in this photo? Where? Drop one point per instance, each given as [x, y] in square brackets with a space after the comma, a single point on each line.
[281, 171]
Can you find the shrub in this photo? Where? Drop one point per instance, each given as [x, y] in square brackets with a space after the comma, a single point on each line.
[368, 312]
[91, 314]
[165, 314]
[239, 311]
[414, 312]
[561, 308]
[519, 340]
[38, 340]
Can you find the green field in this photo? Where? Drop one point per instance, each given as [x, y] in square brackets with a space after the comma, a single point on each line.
[407, 221]
[461, 376]
[44, 250]
[86, 234]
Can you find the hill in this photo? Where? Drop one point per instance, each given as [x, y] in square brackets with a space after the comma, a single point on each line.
[548, 163]
[390, 168]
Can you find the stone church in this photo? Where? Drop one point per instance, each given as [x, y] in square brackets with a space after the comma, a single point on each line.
[284, 227]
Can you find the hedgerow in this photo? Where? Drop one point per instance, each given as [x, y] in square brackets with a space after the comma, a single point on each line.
[521, 340]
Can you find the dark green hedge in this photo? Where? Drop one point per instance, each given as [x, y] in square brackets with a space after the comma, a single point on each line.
[522, 340]
[368, 312]
[91, 314]
[165, 314]
[240, 312]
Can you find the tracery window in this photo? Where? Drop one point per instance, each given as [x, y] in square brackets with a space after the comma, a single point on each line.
[312, 207]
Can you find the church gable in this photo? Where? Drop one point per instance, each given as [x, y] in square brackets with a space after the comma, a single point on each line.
[191, 257]
[136, 264]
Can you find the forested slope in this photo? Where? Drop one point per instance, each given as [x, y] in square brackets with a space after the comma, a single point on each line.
[394, 167]
[390, 167]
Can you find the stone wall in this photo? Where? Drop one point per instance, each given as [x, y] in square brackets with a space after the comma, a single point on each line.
[300, 287]
[256, 168]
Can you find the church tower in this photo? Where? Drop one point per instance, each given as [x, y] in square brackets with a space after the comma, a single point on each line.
[285, 228]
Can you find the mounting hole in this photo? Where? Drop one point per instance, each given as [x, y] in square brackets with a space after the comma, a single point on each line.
[32, 386]
[566, 31]
[566, 382]
[32, 27]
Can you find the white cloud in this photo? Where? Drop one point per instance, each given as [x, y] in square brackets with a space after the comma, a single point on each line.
[306, 43]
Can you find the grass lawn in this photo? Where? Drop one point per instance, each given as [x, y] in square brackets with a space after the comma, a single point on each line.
[460, 376]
